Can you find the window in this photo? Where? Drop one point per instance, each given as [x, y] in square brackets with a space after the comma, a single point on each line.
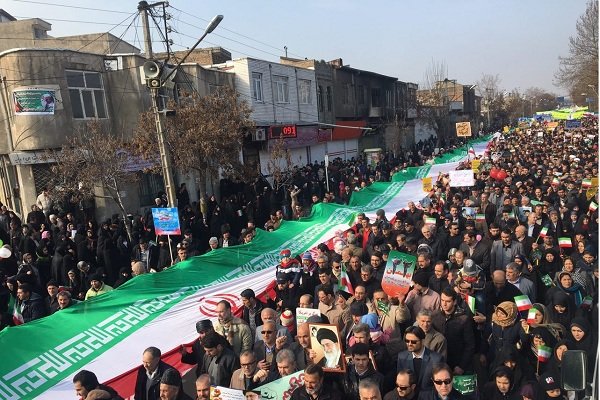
[376, 97]
[329, 99]
[361, 94]
[304, 89]
[282, 94]
[388, 99]
[87, 94]
[320, 103]
[149, 185]
[257, 91]
[346, 94]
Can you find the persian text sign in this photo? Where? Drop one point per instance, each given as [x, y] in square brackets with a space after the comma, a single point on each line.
[166, 221]
[282, 388]
[461, 178]
[398, 273]
[463, 129]
[34, 101]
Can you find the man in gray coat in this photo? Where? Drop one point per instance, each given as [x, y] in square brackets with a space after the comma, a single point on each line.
[504, 251]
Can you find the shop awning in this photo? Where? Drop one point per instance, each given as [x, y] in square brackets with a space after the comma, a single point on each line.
[348, 129]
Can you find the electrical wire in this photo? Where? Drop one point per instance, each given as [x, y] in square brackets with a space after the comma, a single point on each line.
[234, 32]
[71, 20]
[71, 6]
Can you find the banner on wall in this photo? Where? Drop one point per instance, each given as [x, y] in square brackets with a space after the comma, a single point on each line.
[34, 101]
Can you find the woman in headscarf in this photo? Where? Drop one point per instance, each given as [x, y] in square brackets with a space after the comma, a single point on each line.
[566, 284]
[561, 309]
[528, 271]
[501, 387]
[542, 318]
[550, 262]
[548, 266]
[537, 338]
[505, 329]
[582, 337]
[555, 363]
[578, 274]
[510, 358]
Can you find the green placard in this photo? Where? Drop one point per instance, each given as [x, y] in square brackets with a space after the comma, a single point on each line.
[465, 384]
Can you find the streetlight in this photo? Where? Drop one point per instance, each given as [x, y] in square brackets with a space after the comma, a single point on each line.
[165, 158]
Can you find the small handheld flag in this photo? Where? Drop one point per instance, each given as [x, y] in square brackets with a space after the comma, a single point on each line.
[471, 303]
[531, 316]
[480, 217]
[544, 232]
[593, 206]
[430, 220]
[587, 302]
[586, 183]
[523, 302]
[555, 181]
[565, 242]
[544, 353]
[472, 154]
[17, 316]
[344, 281]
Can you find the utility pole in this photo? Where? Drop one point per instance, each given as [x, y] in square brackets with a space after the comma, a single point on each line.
[165, 159]
[143, 7]
[156, 76]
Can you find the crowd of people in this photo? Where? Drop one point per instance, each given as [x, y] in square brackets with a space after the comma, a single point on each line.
[506, 279]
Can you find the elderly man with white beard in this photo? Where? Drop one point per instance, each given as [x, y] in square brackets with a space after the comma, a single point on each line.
[332, 353]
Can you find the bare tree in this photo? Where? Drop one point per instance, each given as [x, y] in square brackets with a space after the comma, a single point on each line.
[280, 164]
[432, 99]
[580, 67]
[488, 87]
[204, 136]
[94, 162]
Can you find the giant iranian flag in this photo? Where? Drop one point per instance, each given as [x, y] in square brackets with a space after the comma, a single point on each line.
[107, 334]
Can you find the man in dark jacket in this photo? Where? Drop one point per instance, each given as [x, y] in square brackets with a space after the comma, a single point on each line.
[196, 357]
[418, 358]
[31, 305]
[86, 381]
[360, 369]
[499, 290]
[457, 326]
[252, 309]
[313, 387]
[219, 361]
[147, 384]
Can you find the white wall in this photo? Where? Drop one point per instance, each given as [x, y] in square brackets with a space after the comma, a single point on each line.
[317, 152]
[268, 110]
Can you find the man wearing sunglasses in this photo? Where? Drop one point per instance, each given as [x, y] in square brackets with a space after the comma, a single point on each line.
[418, 358]
[442, 383]
[406, 388]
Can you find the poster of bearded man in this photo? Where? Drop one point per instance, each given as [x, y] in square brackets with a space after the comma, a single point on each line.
[325, 342]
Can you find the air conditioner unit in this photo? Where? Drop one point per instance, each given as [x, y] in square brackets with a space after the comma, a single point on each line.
[260, 135]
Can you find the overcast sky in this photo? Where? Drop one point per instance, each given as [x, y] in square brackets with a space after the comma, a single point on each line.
[520, 40]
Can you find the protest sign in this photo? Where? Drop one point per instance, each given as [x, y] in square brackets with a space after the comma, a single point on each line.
[463, 129]
[398, 273]
[166, 221]
[461, 178]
